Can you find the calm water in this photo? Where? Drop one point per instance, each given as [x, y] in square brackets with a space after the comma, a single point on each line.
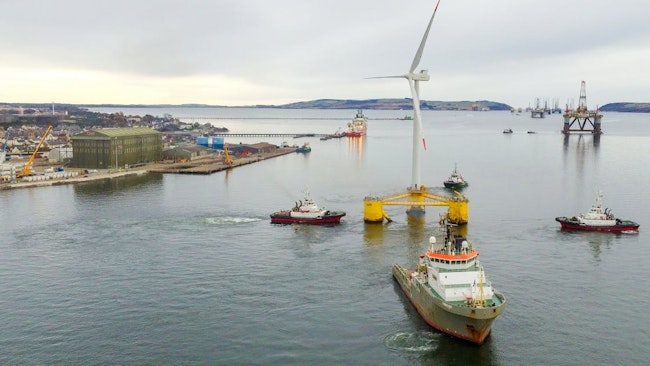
[182, 270]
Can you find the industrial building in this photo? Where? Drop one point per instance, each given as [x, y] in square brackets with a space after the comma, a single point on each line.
[186, 152]
[110, 148]
[252, 149]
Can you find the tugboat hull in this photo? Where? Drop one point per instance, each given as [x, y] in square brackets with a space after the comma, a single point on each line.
[620, 226]
[454, 185]
[469, 323]
[284, 217]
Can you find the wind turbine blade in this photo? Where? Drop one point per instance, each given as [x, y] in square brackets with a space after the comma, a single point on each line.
[418, 55]
[386, 77]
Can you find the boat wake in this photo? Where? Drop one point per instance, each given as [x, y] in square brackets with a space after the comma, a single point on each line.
[229, 220]
[630, 232]
[421, 341]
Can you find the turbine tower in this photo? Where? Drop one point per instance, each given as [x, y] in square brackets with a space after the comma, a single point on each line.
[417, 196]
[414, 79]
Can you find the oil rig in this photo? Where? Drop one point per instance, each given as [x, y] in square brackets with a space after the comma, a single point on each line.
[582, 120]
[539, 111]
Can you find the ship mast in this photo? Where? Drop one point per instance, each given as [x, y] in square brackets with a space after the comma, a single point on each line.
[481, 295]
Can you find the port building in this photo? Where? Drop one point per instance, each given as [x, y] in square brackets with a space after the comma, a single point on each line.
[113, 148]
[186, 152]
[252, 149]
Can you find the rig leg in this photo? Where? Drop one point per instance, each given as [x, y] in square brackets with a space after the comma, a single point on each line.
[373, 210]
[458, 212]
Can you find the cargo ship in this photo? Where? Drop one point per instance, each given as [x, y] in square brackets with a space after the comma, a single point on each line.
[597, 219]
[449, 289]
[358, 126]
[307, 212]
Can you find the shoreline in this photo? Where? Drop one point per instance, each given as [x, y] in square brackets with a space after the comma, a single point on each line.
[202, 166]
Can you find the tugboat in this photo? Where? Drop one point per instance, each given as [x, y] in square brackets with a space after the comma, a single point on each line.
[358, 126]
[597, 219]
[449, 289]
[305, 148]
[455, 180]
[307, 212]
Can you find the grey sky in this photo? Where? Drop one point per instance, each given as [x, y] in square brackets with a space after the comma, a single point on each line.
[273, 52]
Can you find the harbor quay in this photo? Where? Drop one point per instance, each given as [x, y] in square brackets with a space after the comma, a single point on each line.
[204, 165]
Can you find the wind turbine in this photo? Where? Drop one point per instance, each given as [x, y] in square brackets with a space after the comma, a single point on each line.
[414, 84]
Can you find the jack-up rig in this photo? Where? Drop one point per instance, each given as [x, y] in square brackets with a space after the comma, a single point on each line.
[416, 196]
[581, 116]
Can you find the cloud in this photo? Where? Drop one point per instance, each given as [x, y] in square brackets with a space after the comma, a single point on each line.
[265, 52]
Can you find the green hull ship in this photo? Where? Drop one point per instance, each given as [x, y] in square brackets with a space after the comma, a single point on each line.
[449, 290]
[455, 181]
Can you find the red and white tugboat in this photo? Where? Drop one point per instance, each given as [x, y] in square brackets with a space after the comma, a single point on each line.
[450, 290]
[597, 219]
[307, 212]
[358, 126]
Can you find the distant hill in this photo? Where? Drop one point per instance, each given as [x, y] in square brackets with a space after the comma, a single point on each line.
[394, 104]
[626, 107]
[385, 104]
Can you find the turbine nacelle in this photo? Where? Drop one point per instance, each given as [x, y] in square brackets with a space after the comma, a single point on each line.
[423, 75]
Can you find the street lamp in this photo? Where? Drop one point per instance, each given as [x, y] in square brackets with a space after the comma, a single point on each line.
[115, 154]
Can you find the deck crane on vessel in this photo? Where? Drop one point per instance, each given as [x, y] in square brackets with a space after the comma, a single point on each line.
[27, 170]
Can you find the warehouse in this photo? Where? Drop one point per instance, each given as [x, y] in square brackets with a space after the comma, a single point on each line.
[252, 149]
[186, 152]
[110, 148]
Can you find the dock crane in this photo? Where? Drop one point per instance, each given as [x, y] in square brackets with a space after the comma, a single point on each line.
[27, 170]
[227, 159]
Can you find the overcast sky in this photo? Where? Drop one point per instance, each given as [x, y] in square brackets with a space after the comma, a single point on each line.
[247, 52]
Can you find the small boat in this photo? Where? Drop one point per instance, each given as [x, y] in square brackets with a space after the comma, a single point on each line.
[307, 212]
[532, 132]
[358, 126]
[449, 288]
[597, 219]
[507, 130]
[455, 180]
[305, 148]
[336, 135]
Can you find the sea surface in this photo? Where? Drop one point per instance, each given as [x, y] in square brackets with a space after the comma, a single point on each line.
[188, 270]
